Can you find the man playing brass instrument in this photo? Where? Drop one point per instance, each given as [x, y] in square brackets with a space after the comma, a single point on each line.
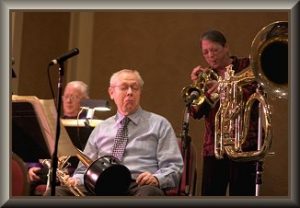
[218, 173]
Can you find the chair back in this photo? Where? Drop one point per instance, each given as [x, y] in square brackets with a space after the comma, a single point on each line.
[19, 180]
[188, 181]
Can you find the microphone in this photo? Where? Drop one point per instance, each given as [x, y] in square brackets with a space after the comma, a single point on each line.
[193, 96]
[65, 56]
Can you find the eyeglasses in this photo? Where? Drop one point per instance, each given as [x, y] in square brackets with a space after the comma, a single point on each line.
[70, 97]
[213, 51]
[124, 87]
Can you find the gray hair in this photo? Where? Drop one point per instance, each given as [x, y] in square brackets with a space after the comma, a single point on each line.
[81, 86]
[115, 76]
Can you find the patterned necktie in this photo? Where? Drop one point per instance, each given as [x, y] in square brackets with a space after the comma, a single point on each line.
[121, 139]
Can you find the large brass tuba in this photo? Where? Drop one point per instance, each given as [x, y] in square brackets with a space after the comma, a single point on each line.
[269, 57]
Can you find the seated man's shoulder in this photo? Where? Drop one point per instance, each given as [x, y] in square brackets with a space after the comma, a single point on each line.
[155, 117]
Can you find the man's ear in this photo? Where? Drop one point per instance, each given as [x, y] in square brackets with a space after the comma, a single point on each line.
[111, 92]
[226, 46]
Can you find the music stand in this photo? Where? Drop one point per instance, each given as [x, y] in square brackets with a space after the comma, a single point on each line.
[33, 129]
[92, 105]
[32, 138]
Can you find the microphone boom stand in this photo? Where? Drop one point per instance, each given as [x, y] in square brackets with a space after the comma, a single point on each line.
[185, 147]
[58, 108]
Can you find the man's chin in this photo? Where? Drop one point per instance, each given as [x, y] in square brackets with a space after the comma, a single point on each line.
[214, 66]
[69, 113]
[129, 109]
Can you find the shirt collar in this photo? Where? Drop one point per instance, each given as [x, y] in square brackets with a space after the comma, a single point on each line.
[134, 118]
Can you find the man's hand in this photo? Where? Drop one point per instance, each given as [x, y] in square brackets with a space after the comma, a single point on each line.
[32, 174]
[147, 178]
[71, 181]
[196, 71]
[212, 86]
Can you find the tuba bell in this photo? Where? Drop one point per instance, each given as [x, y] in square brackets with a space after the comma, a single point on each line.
[269, 56]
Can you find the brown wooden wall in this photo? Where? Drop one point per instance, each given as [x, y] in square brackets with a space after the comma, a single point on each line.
[163, 45]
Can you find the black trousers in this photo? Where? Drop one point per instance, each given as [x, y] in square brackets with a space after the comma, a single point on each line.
[133, 190]
[218, 174]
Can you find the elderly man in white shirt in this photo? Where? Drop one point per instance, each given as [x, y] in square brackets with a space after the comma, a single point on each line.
[152, 154]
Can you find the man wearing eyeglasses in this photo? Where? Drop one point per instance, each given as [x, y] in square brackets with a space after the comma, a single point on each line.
[151, 151]
[74, 92]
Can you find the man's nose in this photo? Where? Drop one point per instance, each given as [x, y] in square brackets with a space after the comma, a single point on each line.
[211, 53]
[69, 100]
[129, 90]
